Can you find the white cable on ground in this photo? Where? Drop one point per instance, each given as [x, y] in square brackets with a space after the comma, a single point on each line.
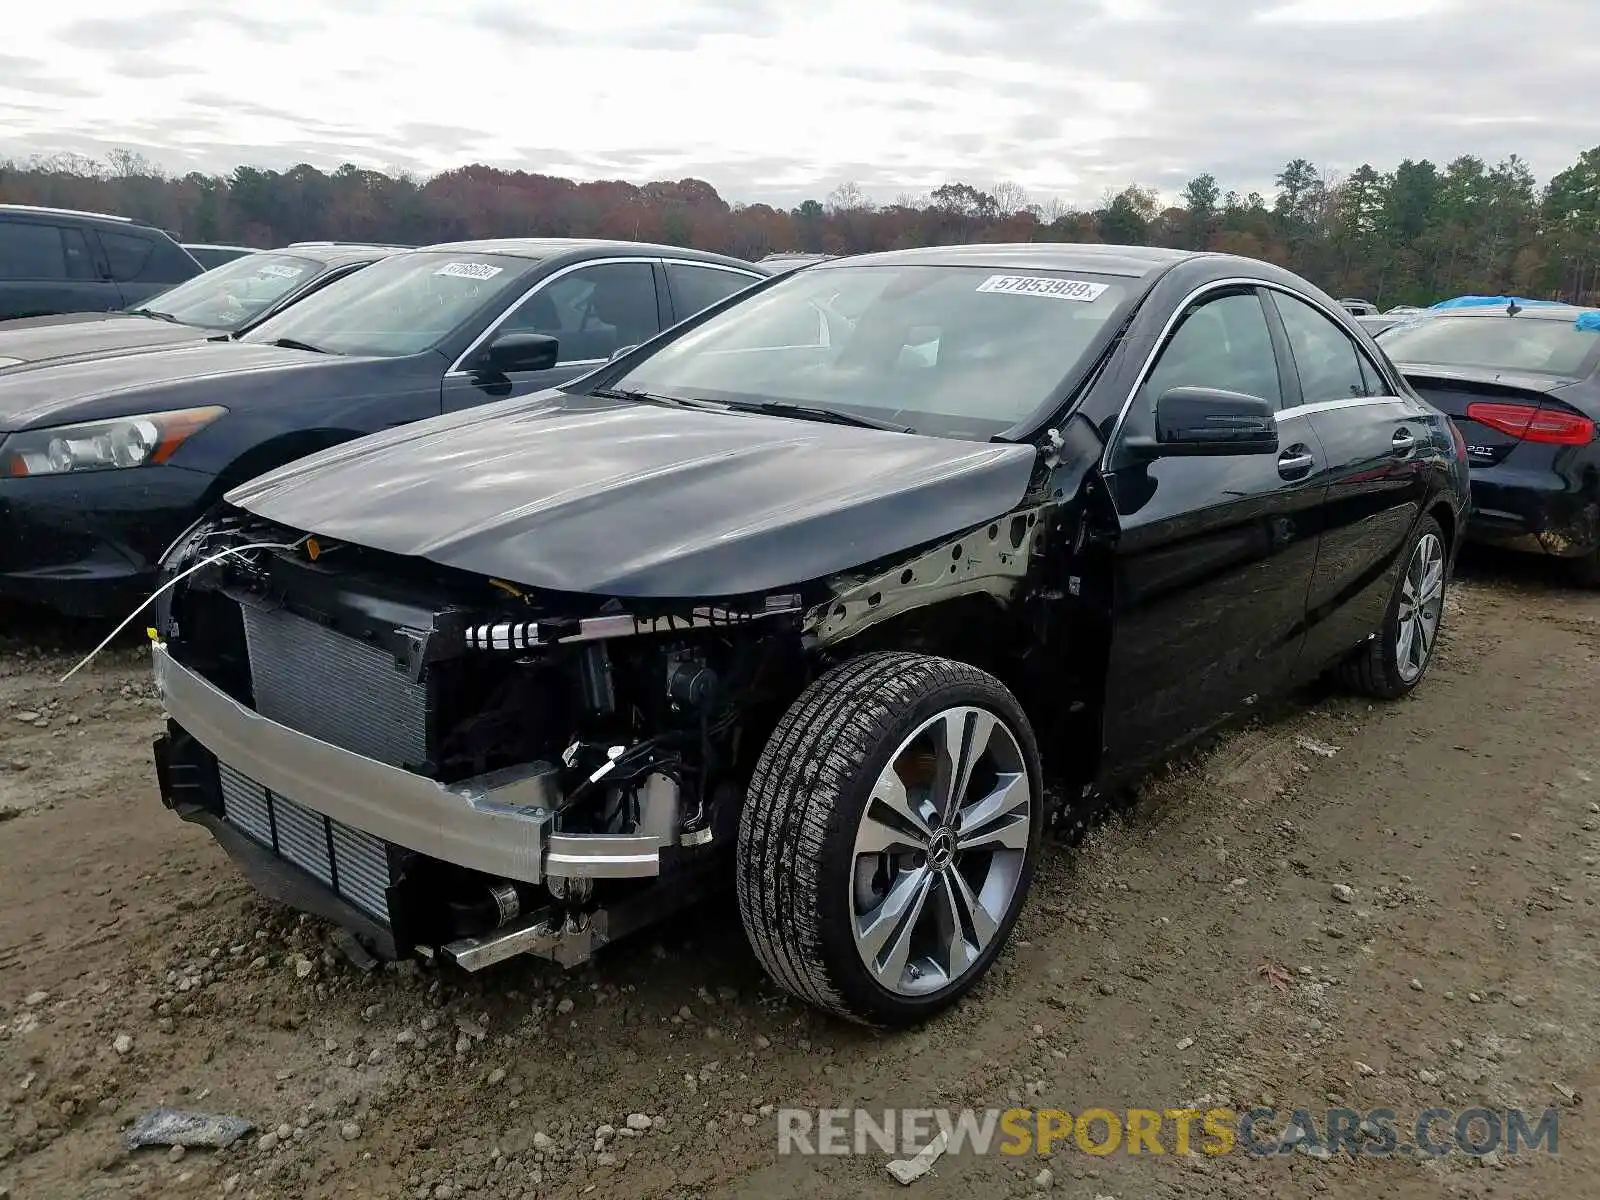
[184, 574]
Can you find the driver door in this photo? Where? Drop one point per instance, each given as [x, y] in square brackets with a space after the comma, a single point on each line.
[1214, 555]
[593, 310]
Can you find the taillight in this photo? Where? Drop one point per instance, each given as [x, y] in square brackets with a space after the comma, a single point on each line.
[1553, 426]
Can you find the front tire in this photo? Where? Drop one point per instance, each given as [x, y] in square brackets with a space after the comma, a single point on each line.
[889, 836]
[1392, 664]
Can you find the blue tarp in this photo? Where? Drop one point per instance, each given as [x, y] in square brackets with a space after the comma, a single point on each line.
[1496, 302]
[1589, 321]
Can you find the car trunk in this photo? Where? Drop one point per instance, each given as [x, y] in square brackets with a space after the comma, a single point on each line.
[1494, 410]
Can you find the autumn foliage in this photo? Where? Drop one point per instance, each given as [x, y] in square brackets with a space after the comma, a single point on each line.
[1409, 235]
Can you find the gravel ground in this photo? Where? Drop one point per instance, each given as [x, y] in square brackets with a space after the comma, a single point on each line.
[1424, 895]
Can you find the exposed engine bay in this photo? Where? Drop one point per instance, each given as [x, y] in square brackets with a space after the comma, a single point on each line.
[616, 740]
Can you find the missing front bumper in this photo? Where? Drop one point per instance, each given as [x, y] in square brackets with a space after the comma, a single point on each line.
[500, 825]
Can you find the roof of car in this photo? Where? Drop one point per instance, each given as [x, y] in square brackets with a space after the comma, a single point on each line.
[1041, 256]
[543, 248]
[219, 246]
[335, 254]
[41, 210]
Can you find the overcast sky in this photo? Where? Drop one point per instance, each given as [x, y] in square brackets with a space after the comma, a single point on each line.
[778, 101]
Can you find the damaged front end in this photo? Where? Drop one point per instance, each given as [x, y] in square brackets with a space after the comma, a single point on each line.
[456, 766]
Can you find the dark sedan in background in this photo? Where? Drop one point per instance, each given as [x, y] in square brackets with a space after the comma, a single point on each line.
[222, 302]
[1521, 379]
[103, 462]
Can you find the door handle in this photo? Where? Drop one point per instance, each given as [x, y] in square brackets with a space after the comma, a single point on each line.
[1403, 442]
[1295, 462]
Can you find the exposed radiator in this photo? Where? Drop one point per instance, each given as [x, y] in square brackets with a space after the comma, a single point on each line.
[335, 688]
[352, 863]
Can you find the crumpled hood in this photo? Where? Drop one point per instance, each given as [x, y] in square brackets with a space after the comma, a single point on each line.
[89, 389]
[75, 335]
[580, 494]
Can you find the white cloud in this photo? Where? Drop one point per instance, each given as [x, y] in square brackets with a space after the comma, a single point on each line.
[1358, 11]
[777, 101]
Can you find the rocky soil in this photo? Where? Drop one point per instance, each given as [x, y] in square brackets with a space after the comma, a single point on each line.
[1388, 906]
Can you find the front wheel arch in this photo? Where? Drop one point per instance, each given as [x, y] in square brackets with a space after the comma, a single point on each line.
[274, 453]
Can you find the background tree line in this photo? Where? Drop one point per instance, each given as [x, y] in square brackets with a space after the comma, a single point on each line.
[1410, 235]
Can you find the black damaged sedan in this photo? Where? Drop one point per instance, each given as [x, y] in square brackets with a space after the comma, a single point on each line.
[841, 613]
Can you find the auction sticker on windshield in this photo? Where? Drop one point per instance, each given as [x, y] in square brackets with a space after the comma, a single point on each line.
[1044, 285]
[276, 271]
[469, 270]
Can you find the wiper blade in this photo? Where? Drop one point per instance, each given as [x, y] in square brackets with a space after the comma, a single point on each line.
[771, 408]
[654, 398]
[292, 344]
[780, 408]
[159, 316]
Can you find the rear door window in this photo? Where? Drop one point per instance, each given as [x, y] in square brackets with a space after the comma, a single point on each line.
[79, 258]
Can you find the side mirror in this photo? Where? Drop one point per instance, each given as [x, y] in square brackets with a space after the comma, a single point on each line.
[1206, 421]
[520, 352]
[620, 351]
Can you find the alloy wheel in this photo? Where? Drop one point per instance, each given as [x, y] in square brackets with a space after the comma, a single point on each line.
[1421, 604]
[940, 851]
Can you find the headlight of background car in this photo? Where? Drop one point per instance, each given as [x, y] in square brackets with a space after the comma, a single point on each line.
[107, 445]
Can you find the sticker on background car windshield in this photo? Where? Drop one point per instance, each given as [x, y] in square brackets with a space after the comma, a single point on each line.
[1044, 285]
[469, 270]
[274, 271]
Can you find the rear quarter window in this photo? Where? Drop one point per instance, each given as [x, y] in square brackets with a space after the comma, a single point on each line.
[139, 257]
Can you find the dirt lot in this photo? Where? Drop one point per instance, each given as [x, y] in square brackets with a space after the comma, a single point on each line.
[136, 969]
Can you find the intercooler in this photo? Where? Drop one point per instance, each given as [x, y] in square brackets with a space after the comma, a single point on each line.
[353, 864]
[344, 692]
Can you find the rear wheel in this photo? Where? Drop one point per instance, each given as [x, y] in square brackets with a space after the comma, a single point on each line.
[889, 836]
[1394, 662]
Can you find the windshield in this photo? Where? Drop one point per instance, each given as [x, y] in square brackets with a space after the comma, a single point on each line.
[234, 294]
[952, 351]
[400, 305]
[1555, 347]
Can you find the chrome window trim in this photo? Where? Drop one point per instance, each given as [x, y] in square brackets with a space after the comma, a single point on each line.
[1303, 409]
[731, 270]
[505, 314]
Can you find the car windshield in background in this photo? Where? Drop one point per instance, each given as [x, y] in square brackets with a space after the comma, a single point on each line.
[398, 306]
[1555, 347]
[952, 351]
[234, 294]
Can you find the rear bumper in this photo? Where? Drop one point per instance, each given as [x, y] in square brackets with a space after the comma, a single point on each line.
[1543, 509]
